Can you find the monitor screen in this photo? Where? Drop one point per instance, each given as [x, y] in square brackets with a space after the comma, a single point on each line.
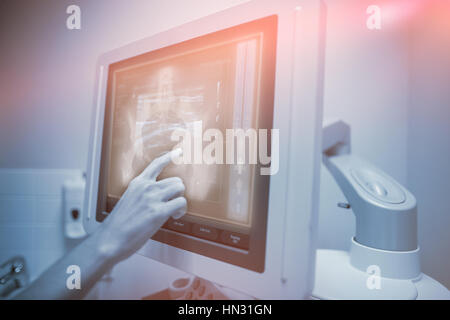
[204, 86]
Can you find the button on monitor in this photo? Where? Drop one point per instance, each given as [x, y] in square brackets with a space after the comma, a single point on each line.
[178, 225]
[205, 232]
[235, 239]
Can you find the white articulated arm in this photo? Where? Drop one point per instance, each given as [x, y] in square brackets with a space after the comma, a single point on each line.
[385, 211]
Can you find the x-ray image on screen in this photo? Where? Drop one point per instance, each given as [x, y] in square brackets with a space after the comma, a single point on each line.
[216, 85]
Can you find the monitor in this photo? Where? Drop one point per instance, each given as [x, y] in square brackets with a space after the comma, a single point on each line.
[250, 78]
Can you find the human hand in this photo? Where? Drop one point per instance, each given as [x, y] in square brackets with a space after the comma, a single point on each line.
[142, 210]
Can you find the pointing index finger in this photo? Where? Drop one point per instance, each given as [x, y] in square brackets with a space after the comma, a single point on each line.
[157, 165]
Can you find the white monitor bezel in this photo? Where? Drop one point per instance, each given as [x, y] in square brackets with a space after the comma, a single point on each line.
[294, 190]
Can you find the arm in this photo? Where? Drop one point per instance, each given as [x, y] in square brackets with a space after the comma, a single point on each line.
[142, 210]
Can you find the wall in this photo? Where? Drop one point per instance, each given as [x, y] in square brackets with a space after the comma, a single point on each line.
[429, 135]
[392, 87]
[366, 85]
[31, 222]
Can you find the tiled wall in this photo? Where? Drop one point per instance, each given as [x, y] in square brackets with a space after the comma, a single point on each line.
[31, 224]
[31, 219]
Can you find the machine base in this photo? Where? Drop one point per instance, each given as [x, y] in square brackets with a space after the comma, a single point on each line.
[336, 278]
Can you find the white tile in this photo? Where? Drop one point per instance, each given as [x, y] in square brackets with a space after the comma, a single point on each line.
[35, 181]
[16, 182]
[48, 238]
[50, 182]
[48, 210]
[43, 259]
[15, 238]
[16, 209]
[31, 220]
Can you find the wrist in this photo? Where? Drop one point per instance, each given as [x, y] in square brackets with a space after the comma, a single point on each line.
[103, 250]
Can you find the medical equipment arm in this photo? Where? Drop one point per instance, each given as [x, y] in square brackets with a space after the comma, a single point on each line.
[383, 261]
[385, 211]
